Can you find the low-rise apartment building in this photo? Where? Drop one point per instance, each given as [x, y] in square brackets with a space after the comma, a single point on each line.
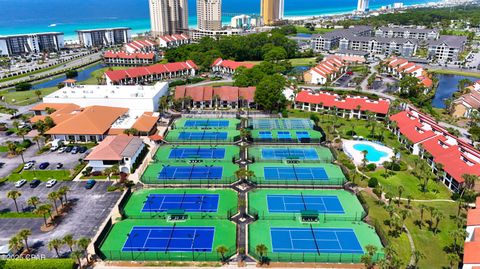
[403, 32]
[326, 71]
[228, 66]
[121, 58]
[171, 41]
[207, 97]
[149, 74]
[447, 47]
[467, 104]
[380, 45]
[399, 67]
[423, 136]
[471, 249]
[331, 40]
[346, 107]
[141, 46]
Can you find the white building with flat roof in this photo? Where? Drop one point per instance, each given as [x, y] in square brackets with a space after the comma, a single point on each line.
[138, 99]
[11, 45]
[105, 37]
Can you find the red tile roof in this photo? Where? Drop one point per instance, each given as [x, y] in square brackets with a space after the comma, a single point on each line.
[172, 38]
[206, 93]
[112, 148]
[231, 64]
[411, 128]
[472, 249]
[328, 66]
[138, 45]
[126, 55]
[348, 103]
[473, 216]
[117, 75]
[146, 122]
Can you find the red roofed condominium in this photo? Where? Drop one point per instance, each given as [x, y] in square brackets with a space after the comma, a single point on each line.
[423, 136]
[228, 96]
[327, 70]
[229, 66]
[125, 58]
[349, 106]
[140, 46]
[398, 67]
[139, 75]
[169, 41]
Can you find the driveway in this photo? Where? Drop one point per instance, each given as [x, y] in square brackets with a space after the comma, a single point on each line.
[90, 209]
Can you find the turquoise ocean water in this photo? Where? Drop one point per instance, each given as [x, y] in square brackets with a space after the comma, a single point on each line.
[30, 16]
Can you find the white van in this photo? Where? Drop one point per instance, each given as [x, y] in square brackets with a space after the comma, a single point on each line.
[57, 143]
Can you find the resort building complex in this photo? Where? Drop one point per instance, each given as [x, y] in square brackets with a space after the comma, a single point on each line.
[271, 11]
[215, 97]
[228, 66]
[128, 59]
[326, 71]
[104, 37]
[209, 15]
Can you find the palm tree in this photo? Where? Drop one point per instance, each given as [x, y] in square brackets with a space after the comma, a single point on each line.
[409, 200]
[261, 249]
[364, 159]
[44, 210]
[24, 234]
[82, 244]
[55, 244]
[400, 192]
[38, 93]
[222, 250]
[21, 132]
[439, 168]
[367, 258]
[20, 151]
[438, 217]
[404, 213]
[453, 259]
[216, 97]
[77, 255]
[243, 173]
[37, 139]
[64, 190]
[458, 236]
[417, 256]
[15, 244]
[11, 147]
[53, 196]
[33, 201]
[69, 241]
[14, 195]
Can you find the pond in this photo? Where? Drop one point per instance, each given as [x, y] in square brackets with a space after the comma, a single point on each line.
[447, 86]
[83, 74]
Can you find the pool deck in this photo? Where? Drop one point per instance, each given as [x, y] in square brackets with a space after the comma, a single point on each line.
[357, 156]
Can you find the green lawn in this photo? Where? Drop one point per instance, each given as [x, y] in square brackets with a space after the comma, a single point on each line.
[43, 175]
[303, 61]
[304, 30]
[24, 98]
[99, 73]
[456, 72]
[25, 215]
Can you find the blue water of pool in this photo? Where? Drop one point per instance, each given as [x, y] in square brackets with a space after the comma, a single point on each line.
[373, 155]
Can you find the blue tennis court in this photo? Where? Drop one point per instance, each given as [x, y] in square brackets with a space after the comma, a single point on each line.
[191, 172]
[288, 153]
[302, 135]
[203, 153]
[295, 173]
[187, 202]
[265, 135]
[280, 203]
[170, 239]
[284, 135]
[206, 123]
[315, 240]
[287, 124]
[202, 136]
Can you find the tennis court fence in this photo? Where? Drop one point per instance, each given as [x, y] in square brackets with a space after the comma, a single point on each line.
[313, 257]
[117, 255]
[204, 142]
[263, 215]
[224, 181]
[285, 140]
[290, 161]
[314, 182]
[194, 216]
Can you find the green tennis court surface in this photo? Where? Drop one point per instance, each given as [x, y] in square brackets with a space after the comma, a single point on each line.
[198, 153]
[198, 136]
[197, 203]
[194, 173]
[285, 124]
[206, 123]
[331, 205]
[332, 242]
[287, 153]
[286, 136]
[297, 174]
[148, 240]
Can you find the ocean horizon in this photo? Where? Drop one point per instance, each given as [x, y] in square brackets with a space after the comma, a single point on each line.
[33, 16]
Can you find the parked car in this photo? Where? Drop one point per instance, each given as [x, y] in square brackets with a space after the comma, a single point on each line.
[44, 165]
[28, 165]
[53, 148]
[34, 183]
[82, 149]
[68, 149]
[51, 183]
[20, 183]
[59, 165]
[62, 149]
[90, 184]
[75, 150]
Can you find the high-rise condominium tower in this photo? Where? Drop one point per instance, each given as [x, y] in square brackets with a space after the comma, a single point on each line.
[271, 11]
[209, 15]
[362, 5]
[168, 16]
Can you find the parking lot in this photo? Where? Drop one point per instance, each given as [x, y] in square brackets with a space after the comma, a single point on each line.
[90, 209]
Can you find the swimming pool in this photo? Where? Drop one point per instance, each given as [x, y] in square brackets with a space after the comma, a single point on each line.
[376, 153]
